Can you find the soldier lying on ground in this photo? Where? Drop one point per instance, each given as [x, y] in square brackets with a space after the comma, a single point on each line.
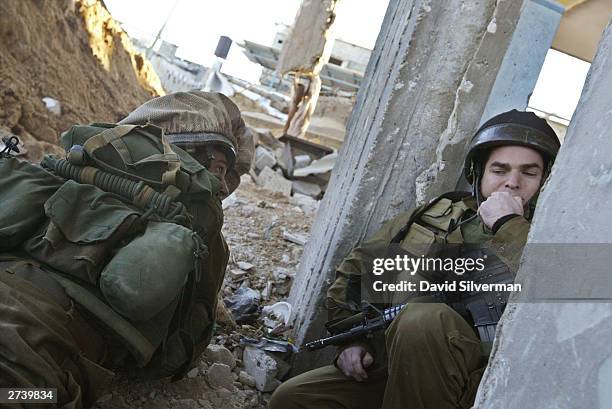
[431, 356]
[111, 261]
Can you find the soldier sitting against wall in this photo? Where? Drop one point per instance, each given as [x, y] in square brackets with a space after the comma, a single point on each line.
[111, 259]
[432, 357]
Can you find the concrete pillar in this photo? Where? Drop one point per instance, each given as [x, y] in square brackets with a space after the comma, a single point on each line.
[429, 79]
[559, 355]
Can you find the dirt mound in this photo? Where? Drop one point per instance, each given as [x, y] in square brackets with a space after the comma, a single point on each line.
[71, 51]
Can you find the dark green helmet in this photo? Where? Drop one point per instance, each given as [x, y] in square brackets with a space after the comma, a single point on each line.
[510, 128]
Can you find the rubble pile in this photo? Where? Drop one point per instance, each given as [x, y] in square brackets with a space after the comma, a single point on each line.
[65, 62]
[296, 168]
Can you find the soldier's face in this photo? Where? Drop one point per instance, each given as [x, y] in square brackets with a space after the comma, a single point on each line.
[218, 167]
[514, 169]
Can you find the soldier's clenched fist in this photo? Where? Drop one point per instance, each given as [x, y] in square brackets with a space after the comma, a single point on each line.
[498, 205]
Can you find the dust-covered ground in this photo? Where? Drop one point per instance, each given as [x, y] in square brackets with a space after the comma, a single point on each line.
[255, 219]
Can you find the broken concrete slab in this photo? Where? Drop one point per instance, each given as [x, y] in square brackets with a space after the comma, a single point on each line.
[263, 158]
[307, 48]
[295, 237]
[323, 165]
[306, 188]
[243, 265]
[263, 136]
[236, 274]
[273, 181]
[261, 120]
[301, 161]
[262, 367]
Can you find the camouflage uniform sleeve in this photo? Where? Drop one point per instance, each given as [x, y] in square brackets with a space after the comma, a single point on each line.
[510, 240]
[343, 296]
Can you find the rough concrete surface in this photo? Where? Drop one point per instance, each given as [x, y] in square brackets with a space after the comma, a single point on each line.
[415, 89]
[307, 49]
[559, 355]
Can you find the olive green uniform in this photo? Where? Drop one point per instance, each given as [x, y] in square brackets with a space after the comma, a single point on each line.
[48, 340]
[58, 328]
[432, 357]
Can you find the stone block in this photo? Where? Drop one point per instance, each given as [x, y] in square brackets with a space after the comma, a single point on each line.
[301, 161]
[306, 188]
[273, 181]
[246, 379]
[263, 158]
[220, 354]
[262, 367]
[220, 376]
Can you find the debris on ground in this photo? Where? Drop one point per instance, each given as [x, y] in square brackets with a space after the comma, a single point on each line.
[244, 304]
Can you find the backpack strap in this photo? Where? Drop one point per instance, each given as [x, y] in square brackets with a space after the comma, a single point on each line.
[114, 137]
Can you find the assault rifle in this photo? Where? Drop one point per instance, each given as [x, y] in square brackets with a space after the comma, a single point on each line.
[364, 328]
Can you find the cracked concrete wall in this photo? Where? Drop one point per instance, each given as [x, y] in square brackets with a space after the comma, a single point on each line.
[430, 74]
[514, 83]
[559, 355]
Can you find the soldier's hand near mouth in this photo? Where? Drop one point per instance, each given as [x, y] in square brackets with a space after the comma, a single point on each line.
[498, 205]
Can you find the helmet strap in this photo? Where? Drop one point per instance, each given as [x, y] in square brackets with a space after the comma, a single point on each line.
[477, 169]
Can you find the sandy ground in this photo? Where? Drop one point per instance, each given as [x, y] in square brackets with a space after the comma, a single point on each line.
[74, 53]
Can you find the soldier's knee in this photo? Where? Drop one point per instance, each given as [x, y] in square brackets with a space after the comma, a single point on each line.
[283, 397]
[419, 322]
